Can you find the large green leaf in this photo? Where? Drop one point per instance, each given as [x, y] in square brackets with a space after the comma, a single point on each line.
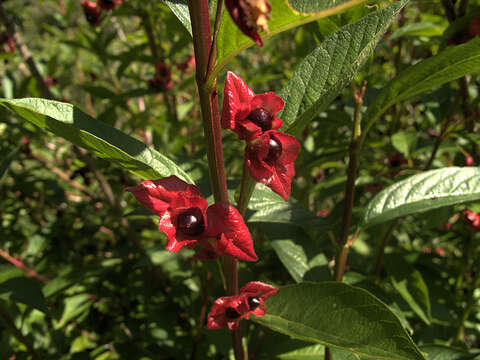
[452, 63]
[25, 290]
[340, 316]
[409, 283]
[328, 69]
[180, 9]
[231, 41]
[270, 207]
[422, 192]
[69, 122]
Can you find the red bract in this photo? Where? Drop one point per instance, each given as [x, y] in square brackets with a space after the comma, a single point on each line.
[250, 16]
[472, 220]
[186, 220]
[474, 26]
[246, 113]
[228, 310]
[109, 4]
[92, 12]
[270, 158]
[162, 79]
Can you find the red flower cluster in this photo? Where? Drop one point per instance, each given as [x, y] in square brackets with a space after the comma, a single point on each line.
[471, 220]
[269, 154]
[250, 16]
[474, 26]
[5, 39]
[229, 310]
[188, 65]
[109, 4]
[163, 77]
[92, 12]
[187, 220]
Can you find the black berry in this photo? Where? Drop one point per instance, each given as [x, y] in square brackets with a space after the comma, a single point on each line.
[261, 117]
[274, 150]
[231, 313]
[253, 303]
[191, 222]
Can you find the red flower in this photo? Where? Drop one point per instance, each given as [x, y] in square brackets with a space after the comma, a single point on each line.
[250, 16]
[5, 39]
[248, 114]
[188, 65]
[163, 77]
[187, 221]
[472, 220]
[469, 160]
[109, 4]
[270, 158]
[92, 12]
[474, 26]
[50, 81]
[229, 310]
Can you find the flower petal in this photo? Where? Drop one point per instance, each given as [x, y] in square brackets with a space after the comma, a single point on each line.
[237, 96]
[156, 195]
[217, 317]
[226, 225]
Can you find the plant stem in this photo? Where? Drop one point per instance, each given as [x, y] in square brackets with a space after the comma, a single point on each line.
[342, 242]
[381, 250]
[204, 54]
[25, 53]
[246, 190]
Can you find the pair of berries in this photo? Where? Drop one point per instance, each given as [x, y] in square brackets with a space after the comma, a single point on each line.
[93, 12]
[269, 153]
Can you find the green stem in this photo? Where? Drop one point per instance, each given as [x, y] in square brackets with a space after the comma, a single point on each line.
[204, 54]
[342, 242]
[246, 190]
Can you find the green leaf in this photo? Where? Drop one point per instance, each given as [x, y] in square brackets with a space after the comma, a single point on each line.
[69, 122]
[231, 41]
[451, 64]
[426, 191]
[422, 28]
[339, 316]
[328, 69]
[25, 290]
[270, 207]
[405, 141]
[439, 352]
[180, 9]
[410, 285]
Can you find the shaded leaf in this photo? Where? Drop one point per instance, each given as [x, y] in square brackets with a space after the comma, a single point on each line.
[439, 352]
[231, 41]
[6, 161]
[451, 64]
[340, 316]
[180, 9]
[25, 290]
[410, 285]
[426, 191]
[324, 73]
[69, 122]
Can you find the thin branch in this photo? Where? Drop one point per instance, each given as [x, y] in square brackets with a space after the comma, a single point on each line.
[18, 263]
[24, 53]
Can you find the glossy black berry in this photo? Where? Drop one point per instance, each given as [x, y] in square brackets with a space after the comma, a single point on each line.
[261, 117]
[253, 303]
[231, 313]
[191, 222]
[274, 150]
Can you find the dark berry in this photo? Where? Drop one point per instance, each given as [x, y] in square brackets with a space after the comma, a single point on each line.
[253, 303]
[191, 222]
[231, 313]
[261, 117]
[274, 150]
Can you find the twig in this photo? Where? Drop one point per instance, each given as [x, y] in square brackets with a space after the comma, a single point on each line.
[18, 263]
[24, 53]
